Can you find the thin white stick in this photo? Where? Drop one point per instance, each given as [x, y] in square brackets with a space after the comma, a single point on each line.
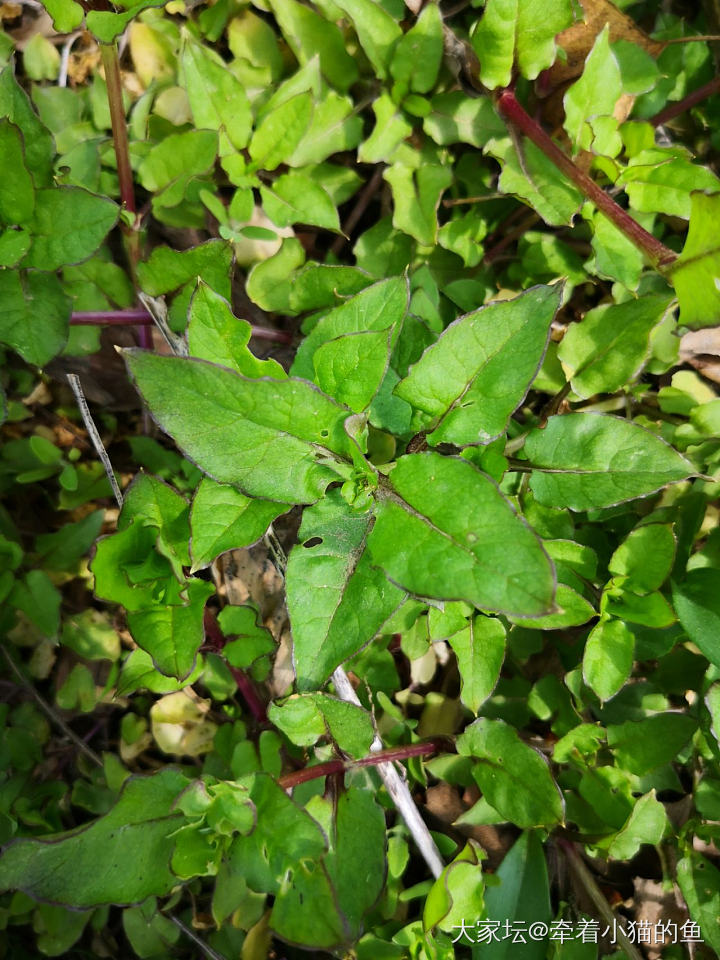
[397, 787]
[65, 59]
[74, 382]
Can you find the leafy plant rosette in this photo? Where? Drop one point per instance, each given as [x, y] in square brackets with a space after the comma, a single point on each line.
[505, 488]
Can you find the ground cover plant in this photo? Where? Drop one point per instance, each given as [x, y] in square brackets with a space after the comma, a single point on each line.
[365, 601]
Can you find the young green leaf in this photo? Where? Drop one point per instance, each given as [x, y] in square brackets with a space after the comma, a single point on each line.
[336, 599]
[308, 35]
[271, 438]
[594, 94]
[459, 892]
[645, 557]
[224, 519]
[608, 657]
[304, 719]
[480, 651]
[472, 379]
[514, 778]
[418, 54]
[416, 197]
[217, 98]
[444, 530]
[377, 31]
[173, 633]
[521, 31]
[295, 198]
[215, 334]
[609, 347]
[280, 131]
[694, 274]
[585, 461]
[67, 15]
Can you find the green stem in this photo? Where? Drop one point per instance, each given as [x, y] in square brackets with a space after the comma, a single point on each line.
[512, 110]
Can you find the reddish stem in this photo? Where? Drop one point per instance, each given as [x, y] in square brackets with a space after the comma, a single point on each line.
[244, 684]
[340, 766]
[673, 110]
[141, 318]
[111, 64]
[514, 112]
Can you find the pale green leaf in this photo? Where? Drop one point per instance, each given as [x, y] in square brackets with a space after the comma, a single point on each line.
[696, 271]
[608, 348]
[337, 601]
[270, 438]
[514, 778]
[416, 197]
[308, 35]
[472, 379]
[224, 519]
[594, 94]
[608, 657]
[280, 131]
[480, 651]
[295, 198]
[376, 30]
[444, 530]
[585, 461]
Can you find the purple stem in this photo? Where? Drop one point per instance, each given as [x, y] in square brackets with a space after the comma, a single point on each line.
[245, 685]
[340, 766]
[515, 114]
[673, 110]
[141, 318]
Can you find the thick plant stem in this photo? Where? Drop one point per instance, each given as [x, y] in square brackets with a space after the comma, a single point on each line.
[513, 111]
[397, 788]
[111, 66]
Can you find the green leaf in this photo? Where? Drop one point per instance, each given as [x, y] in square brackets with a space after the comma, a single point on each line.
[17, 193]
[391, 128]
[473, 378]
[128, 568]
[521, 31]
[522, 897]
[335, 126]
[173, 634]
[457, 118]
[280, 131]
[165, 269]
[168, 167]
[616, 257]
[474, 546]
[304, 719]
[66, 14]
[149, 932]
[585, 461]
[594, 94]
[54, 226]
[646, 824]
[34, 315]
[644, 745]
[270, 283]
[308, 35]
[295, 198]
[271, 438]
[249, 638]
[336, 599]
[376, 30]
[416, 196]
[418, 54]
[659, 181]
[107, 26]
[285, 835]
[537, 181]
[63, 549]
[39, 146]
[90, 866]
[480, 651]
[39, 600]
[215, 334]
[609, 347]
[91, 635]
[157, 504]
[14, 244]
[697, 602]
[645, 557]
[608, 657]
[699, 881]
[224, 519]
[217, 98]
[459, 891]
[514, 778]
[695, 272]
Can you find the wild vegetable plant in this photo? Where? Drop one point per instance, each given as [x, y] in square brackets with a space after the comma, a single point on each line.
[504, 484]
